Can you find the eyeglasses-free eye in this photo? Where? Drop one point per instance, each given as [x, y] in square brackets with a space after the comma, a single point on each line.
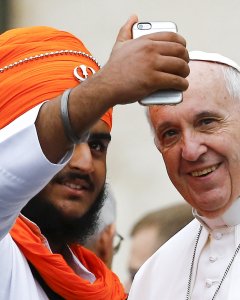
[117, 240]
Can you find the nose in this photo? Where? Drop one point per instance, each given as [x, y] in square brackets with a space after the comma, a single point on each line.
[193, 146]
[82, 159]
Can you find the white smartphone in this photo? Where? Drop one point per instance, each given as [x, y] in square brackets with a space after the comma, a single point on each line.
[162, 96]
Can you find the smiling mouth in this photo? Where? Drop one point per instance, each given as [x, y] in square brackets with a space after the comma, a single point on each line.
[204, 172]
[77, 187]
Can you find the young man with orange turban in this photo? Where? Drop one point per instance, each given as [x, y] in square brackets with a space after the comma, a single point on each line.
[37, 140]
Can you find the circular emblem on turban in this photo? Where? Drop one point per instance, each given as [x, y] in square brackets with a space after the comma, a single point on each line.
[84, 71]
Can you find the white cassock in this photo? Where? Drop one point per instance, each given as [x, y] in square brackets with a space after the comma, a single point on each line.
[166, 275]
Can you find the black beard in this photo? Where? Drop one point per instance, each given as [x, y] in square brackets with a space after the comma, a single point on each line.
[57, 227]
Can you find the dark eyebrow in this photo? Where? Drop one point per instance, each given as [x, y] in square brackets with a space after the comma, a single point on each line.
[207, 113]
[203, 114]
[163, 126]
[100, 136]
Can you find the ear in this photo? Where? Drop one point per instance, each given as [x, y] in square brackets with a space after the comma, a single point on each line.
[104, 245]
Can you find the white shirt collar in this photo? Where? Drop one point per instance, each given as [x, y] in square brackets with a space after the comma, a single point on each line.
[230, 218]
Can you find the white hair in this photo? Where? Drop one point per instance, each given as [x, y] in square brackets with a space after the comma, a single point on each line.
[108, 212]
[107, 215]
[232, 79]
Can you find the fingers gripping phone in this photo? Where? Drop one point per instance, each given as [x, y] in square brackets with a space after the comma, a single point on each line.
[161, 96]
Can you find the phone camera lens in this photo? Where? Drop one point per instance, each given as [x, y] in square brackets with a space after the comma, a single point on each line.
[144, 26]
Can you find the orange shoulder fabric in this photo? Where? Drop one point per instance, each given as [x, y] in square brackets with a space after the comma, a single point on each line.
[59, 276]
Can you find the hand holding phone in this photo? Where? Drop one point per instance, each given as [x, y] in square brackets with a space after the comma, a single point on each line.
[161, 96]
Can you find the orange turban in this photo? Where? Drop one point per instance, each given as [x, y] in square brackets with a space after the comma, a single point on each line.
[37, 64]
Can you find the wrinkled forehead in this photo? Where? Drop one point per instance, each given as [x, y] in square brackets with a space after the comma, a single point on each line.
[206, 78]
[204, 72]
[211, 65]
[213, 80]
[206, 81]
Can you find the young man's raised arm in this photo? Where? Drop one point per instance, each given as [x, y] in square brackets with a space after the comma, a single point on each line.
[135, 69]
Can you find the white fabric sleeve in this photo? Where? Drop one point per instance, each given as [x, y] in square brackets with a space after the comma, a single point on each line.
[24, 170]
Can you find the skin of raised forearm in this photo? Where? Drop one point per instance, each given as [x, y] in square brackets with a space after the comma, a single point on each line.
[127, 77]
[85, 107]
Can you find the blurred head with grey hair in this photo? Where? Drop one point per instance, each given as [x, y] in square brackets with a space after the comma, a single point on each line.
[105, 241]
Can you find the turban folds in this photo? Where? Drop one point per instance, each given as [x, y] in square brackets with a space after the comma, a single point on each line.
[37, 65]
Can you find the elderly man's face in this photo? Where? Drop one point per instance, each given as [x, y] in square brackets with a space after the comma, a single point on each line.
[200, 141]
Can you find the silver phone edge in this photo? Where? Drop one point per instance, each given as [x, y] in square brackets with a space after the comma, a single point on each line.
[162, 99]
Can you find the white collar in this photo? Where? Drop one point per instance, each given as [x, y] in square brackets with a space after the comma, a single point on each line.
[230, 218]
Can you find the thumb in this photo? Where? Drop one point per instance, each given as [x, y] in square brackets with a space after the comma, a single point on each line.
[125, 32]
